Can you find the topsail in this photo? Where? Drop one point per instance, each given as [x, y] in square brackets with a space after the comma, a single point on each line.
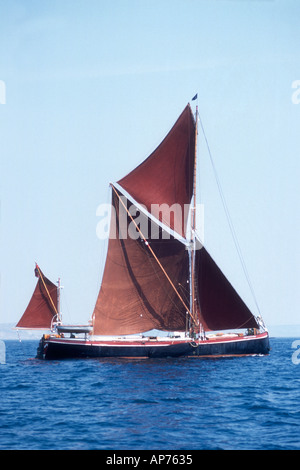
[166, 177]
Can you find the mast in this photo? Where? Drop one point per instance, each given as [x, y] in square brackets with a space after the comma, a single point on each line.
[195, 173]
[193, 229]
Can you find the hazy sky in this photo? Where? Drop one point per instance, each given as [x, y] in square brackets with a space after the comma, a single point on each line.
[89, 88]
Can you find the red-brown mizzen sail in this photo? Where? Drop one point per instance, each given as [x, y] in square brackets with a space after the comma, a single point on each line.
[42, 306]
[219, 305]
[166, 176]
[135, 295]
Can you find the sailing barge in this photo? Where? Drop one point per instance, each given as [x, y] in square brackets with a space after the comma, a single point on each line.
[162, 294]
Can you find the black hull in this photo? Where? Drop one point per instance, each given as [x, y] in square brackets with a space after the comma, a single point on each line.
[50, 349]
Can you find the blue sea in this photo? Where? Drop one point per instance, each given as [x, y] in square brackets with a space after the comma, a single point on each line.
[151, 404]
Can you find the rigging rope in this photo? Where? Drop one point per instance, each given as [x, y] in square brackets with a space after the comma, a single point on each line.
[229, 220]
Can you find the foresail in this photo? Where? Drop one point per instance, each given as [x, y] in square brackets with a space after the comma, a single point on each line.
[135, 295]
[165, 178]
[219, 305]
[42, 306]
